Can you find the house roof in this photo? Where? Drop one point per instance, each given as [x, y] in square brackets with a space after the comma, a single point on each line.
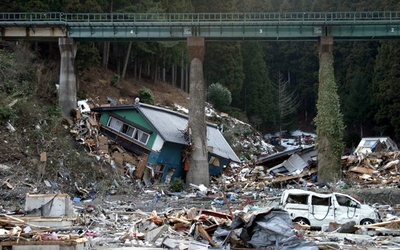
[170, 126]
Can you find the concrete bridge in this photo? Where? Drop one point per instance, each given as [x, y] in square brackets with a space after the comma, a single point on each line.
[196, 28]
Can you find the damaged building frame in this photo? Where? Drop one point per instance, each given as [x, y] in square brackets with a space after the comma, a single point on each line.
[157, 135]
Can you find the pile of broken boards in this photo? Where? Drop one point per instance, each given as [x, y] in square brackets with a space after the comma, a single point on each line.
[49, 222]
[382, 235]
[269, 228]
[374, 168]
[87, 132]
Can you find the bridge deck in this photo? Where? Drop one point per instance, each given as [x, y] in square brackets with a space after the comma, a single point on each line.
[213, 26]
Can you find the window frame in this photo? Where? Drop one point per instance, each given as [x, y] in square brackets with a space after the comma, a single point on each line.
[137, 134]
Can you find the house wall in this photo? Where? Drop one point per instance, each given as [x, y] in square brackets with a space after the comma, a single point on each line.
[158, 143]
[216, 170]
[135, 118]
[171, 157]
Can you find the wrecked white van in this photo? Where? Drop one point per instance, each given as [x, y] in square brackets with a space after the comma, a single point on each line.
[315, 209]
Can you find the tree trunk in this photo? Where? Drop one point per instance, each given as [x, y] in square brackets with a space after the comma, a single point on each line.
[163, 71]
[182, 73]
[155, 73]
[140, 70]
[135, 69]
[187, 78]
[126, 61]
[173, 75]
[106, 54]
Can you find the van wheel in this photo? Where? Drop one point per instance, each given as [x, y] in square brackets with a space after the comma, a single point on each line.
[366, 222]
[302, 221]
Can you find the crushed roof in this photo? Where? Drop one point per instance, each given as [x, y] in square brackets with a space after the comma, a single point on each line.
[171, 125]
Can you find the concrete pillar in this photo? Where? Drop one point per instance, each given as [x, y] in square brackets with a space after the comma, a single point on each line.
[196, 46]
[325, 45]
[67, 88]
[329, 121]
[198, 165]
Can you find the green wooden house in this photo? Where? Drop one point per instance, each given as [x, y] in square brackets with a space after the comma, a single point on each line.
[158, 134]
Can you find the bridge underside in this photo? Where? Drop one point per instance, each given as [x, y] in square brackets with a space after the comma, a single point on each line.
[33, 33]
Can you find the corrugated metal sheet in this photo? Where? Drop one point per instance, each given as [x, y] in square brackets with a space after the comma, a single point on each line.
[294, 163]
[169, 124]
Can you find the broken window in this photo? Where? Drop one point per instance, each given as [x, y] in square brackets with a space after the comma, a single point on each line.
[115, 124]
[346, 201]
[214, 161]
[141, 136]
[321, 201]
[298, 199]
[369, 143]
[128, 130]
[282, 170]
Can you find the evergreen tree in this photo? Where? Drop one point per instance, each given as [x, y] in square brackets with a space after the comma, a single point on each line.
[257, 91]
[387, 87]
[224, 64]
[298, 61]
[354, 74]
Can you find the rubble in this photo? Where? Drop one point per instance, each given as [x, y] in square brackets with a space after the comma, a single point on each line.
[240, 208]
[373, 168]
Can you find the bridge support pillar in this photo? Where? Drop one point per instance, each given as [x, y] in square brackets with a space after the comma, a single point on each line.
[329, 120]
[68, 78]
[325, 45]
[198, 172]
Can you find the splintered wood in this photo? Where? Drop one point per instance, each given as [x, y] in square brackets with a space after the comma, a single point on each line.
[373, 168]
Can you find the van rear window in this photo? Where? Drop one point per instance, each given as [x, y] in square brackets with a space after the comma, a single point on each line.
[298, 199]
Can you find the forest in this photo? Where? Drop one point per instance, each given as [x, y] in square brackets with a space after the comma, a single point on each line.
[257, 73]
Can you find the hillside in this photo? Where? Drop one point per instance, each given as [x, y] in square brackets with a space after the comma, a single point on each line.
[40, 155]
[97, 84]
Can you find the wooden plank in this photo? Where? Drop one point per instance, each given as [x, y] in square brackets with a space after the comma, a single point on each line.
[43, 156]
[45, 242]
[118, 158]
[205, 235]
[378, 224]
[141, 167]
[362, 170]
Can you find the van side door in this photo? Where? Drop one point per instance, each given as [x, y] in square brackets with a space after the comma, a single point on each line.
[321, 210]
[346, 209]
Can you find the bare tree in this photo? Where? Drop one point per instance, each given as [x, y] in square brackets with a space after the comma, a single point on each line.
[287, 102]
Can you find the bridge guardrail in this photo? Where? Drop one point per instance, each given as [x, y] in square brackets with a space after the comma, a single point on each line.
[268, 18]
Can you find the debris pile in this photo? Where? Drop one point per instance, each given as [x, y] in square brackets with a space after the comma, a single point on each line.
[374, 168]
[48, 220]
[239, 209]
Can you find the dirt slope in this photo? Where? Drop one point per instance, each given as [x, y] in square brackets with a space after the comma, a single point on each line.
[97, 84]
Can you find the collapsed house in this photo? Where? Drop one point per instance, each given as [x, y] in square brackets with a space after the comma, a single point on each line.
[160, 137]
[375, 144]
